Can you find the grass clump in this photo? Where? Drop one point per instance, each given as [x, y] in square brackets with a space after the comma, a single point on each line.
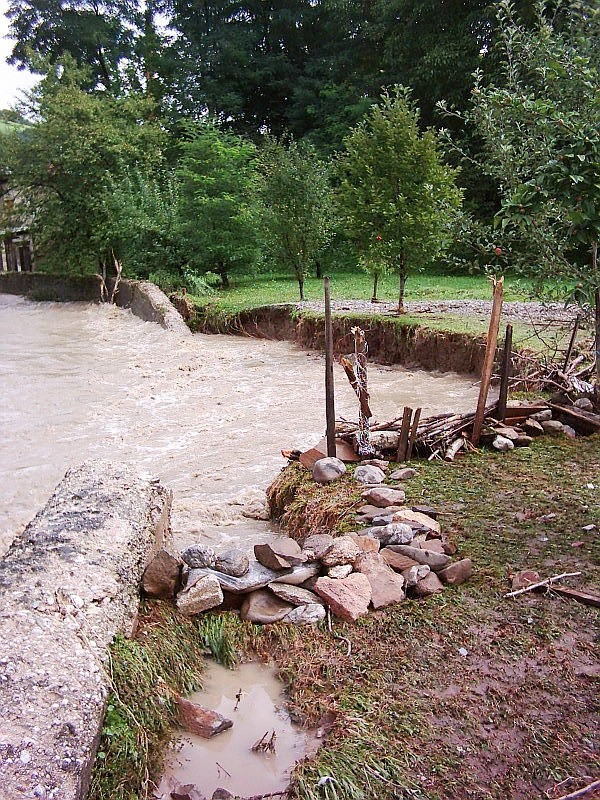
[147, 673]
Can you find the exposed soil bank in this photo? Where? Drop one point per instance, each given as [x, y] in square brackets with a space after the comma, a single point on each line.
[69, 584]
[144, 299]
[391, 341]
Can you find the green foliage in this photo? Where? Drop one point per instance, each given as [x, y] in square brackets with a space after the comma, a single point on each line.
[218, 185]
[215, 636]
[298, 213]
[396, 194]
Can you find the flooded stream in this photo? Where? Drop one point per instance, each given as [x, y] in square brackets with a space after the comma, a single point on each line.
[209, 415]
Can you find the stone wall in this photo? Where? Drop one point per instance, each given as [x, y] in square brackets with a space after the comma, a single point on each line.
[69, 584]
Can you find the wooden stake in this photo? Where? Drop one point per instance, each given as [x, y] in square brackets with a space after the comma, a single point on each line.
[505, 373]
[488, 363]
[329, 388]
[404, 433]
[413, 433]
[571, 343]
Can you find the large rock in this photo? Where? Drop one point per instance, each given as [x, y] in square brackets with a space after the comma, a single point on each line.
[205, 593]
[387, 587]
[436, 561]
[367, 544]
[553, 427]
[502, 444]
[328, 469]
[348, 598]
[281, 553]
[367, 474]
[306, 615]
[428, 585]
[410, 516]
[340, 571]
[456, 573]
[162, 576]
[403, 474]
[256, 578]
[316, 546]
[199, 720]
[264, 608]
[397, 561]
[298, 575]
[232, 562]
[414, 574]
[198, 556]
[383, 496]
[294, 594]
[532, 427]
[343, 551]
[393, 533]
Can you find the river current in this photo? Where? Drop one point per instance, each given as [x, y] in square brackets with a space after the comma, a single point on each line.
[208, 415]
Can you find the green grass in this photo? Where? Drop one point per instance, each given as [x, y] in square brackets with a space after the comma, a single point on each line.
[251, 291]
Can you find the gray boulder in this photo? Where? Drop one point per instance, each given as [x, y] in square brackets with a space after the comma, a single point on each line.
[328, 469]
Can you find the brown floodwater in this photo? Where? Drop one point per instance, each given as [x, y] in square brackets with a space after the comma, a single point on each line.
[227, 760]
[208, 415]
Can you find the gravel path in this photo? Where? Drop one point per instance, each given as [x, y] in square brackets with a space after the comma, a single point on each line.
[540, 313]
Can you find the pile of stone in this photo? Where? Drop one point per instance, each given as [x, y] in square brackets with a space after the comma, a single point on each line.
[397, 551]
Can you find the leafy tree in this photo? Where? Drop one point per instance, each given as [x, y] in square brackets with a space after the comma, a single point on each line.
[395, 191]
[65, 166]
[539, 128]
[218, 186]
[298, 210]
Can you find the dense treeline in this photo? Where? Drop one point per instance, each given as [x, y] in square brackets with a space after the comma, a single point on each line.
[185, 139]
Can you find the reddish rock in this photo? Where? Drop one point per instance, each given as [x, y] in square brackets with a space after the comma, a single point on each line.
[436, 561]
[162, 576]
[428, 585]
[317, 545]
[383, 496]
[263, 607]
[433, 545]
[348, 598]
[203, 594]
[343, 551]
[397, 561]
[367, 544]
[201, 721]
[524, 578]
[457, 573]
[408, 515]
[387, 586]
[279, 554]
[295, 595]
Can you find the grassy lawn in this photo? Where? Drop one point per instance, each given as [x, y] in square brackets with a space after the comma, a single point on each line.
[250, 291]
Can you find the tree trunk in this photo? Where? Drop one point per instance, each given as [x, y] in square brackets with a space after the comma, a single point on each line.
[301, 287]
[224, 276]
[401, 282]
[375, 281]
[319, 272]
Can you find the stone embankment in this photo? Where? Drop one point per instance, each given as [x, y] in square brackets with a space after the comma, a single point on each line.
[69, 584]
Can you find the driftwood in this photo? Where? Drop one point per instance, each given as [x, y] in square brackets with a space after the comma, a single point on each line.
[451, 451]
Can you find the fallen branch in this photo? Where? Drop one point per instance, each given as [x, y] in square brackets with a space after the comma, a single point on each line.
[335, 635]
[581, 792]
[546, 582]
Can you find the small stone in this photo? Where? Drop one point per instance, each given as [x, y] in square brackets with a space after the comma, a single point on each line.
[264, 608]
[198, 556]
[502, 444]
[232, 562]
[569, 431]
[404, 474]
[435, 560]
[162, 576]
[416, 573]
[387, 587]
[279, 554]
[306, 615]
[348, 598]
[456, 573]
[394, 533]
[201, 721]
[383, 519]
[428, 585]
[294, 594]
[222, 794]
[410, 516]
[552, 427]
[340, 571]
[367, 544]
[524, 578]
[316, 546]
[542, 416]
[371, 475]
[462, 651]
[369, 511]
[376, 462]
[298, 575]
[507, 433]
[523, 440]
[427, 510]
[532, 427]
[186, 791]
[584, 403]
[328, 469]
[205, 593]
[397, 561]
[343, 551]
[383, 496]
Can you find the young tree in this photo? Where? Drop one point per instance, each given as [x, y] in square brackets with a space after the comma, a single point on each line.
[218, 188]
[298, 210]
[539, 128]
[395, 185]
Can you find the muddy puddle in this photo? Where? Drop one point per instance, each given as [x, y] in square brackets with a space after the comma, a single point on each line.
[208, 415]
[227, 760]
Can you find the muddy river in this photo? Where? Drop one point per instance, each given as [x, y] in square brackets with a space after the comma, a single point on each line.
[209, 415]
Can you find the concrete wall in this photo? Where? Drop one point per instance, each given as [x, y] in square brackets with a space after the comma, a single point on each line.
[144, 299]
[68, 585]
